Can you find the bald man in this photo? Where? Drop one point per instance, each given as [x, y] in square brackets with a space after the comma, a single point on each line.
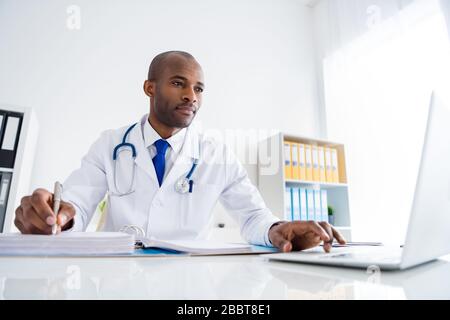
[162, 176]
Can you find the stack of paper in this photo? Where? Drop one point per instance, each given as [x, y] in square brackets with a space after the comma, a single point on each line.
[198, 246]
[70, 244]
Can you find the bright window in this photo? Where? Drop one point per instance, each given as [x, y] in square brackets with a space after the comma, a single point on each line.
[377, 93]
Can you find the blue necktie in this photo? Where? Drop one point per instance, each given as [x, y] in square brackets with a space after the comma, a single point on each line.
[159, 161]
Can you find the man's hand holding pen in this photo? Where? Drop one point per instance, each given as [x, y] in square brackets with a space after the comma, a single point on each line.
[36, 216]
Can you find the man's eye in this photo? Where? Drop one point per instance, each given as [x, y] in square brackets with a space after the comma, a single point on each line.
[199, 89]
[177, 83]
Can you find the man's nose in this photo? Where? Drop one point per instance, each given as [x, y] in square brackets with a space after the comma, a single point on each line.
[189, 95]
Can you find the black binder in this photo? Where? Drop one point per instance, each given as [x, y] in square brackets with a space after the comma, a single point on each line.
[10, 126]
[5, 184]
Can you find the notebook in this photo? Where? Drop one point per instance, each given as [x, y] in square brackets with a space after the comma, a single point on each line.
[67, 244]
[200, 247]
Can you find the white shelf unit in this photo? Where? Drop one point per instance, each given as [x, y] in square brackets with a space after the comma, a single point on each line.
[272, 180]
[23, 162]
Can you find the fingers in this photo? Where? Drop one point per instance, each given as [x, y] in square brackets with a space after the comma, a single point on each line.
[35, 215]
[298, 235]
[333, 232]
[40, 200]
[18, 220]
[339, 237]
[66, 214]
[29, 226]
[28, 221]
[307, 241]
[318, 230]
[279, 241]
[302, 235]
[34, 222]
[327, 245]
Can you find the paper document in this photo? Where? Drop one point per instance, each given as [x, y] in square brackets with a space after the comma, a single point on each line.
[67, 244]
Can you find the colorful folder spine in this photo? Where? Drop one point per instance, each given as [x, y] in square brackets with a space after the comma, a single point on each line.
[322, 175]
[303, 205]
[302, 161]
[308, 161]
[295, 204]
[295, 165]
[328, 165]
[288, 204]
[315, 163]
[324, 204]
[317, 206]
[334, 165]
[287, 160]
[310, 204]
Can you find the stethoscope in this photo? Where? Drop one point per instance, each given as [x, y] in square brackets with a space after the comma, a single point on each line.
[182, 186]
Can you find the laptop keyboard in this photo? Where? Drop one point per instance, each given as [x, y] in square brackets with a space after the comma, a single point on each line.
[361, 256]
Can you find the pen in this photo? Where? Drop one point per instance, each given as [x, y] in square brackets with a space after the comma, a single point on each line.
[56, 203]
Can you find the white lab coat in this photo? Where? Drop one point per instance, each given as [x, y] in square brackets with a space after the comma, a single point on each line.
[162, 212]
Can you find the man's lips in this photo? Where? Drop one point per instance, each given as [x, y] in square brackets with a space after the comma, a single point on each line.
[186, 109]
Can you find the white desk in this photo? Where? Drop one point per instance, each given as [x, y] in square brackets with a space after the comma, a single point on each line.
[221, 277]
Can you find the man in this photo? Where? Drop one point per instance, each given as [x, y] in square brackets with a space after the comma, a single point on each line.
[139, 167]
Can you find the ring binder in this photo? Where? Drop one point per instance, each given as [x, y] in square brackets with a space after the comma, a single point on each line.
[189, 246]
[137, 231]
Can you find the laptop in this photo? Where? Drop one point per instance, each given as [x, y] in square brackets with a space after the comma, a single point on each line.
[428, 233]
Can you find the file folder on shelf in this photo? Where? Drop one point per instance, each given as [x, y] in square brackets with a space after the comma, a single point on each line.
[334, 165]
[288, 204]
[315, 163]
[324, 205]
[303, 205]
[317, 206]
[308, 161]
[295, 205]
[322, 175]
[287, 160]
[302, 161]
[328, 165]
[295, 166]
[310, 204]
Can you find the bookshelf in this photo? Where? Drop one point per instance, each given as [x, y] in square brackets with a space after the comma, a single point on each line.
[18, 136]
[272, 180]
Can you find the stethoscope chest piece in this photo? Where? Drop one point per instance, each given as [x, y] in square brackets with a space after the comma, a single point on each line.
[186, 184]
[182, 185]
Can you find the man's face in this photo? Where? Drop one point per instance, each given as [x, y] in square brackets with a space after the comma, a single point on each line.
[178, 92]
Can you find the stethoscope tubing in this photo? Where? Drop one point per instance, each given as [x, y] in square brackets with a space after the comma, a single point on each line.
[124, 144]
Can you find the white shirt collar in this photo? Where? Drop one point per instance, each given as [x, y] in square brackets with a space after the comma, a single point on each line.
[151, 136]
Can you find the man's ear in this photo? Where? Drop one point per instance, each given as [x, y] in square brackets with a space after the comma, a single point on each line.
[149, 88]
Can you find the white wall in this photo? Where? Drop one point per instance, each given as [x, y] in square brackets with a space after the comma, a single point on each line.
[380, 71]
[257, 56]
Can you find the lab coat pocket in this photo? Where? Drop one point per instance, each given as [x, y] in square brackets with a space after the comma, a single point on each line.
[197, 206]
[121, 210]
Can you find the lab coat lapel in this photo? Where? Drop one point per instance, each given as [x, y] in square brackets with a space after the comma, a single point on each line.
[143, 159]
[185, 159]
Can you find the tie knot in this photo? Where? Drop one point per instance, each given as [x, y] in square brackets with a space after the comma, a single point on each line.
[161, 146]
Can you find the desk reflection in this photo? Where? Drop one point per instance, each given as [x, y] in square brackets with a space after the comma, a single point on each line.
[154, 278]
[219, 277]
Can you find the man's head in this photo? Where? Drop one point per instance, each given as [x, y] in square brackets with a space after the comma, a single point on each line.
[175, 85]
